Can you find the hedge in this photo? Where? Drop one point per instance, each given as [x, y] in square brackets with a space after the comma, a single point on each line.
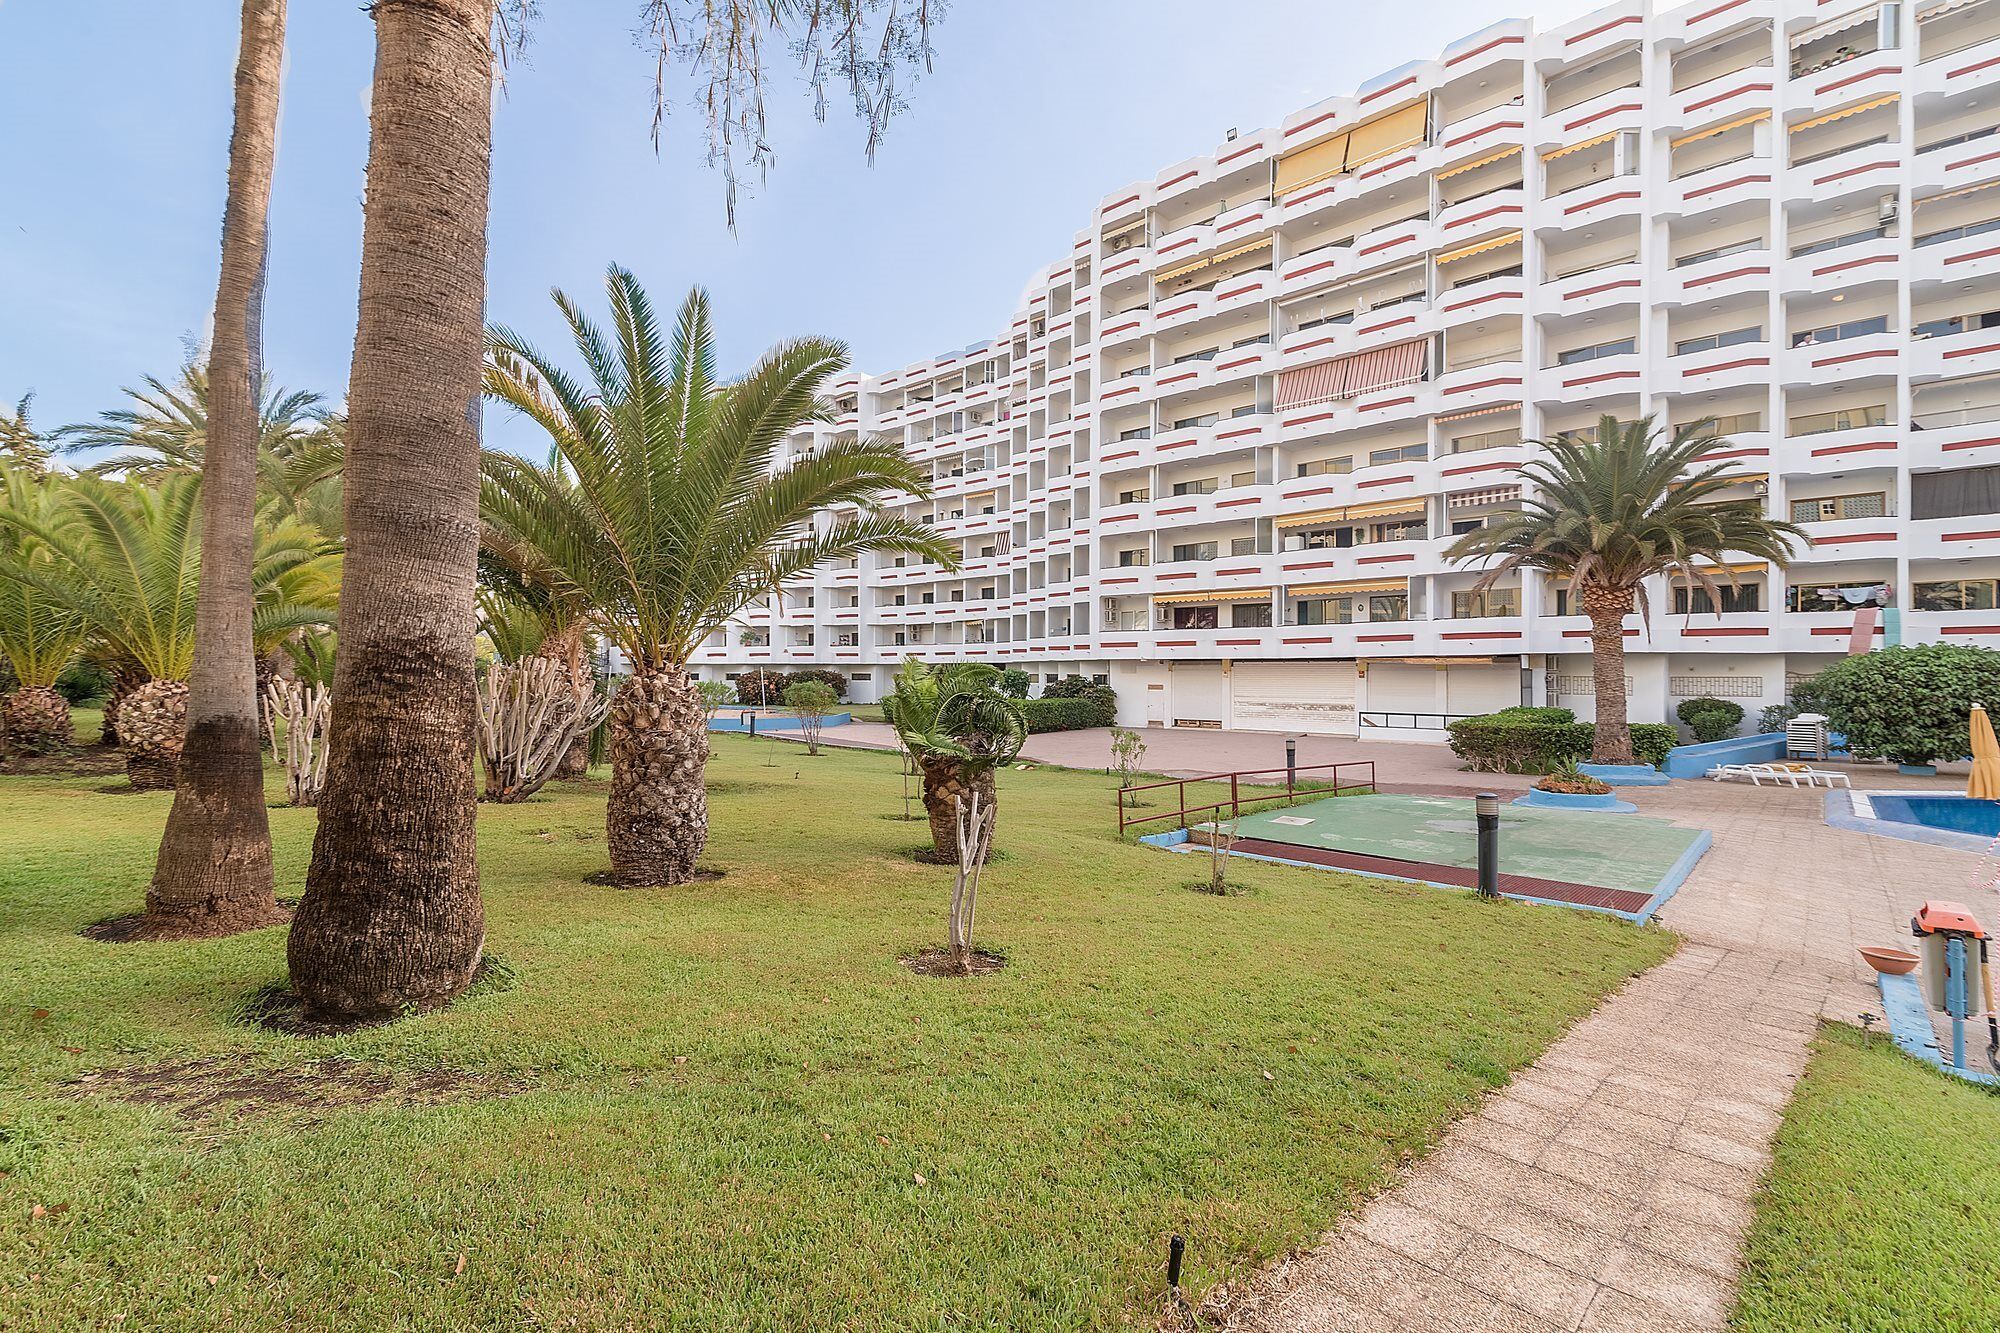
[1099, 708]
[1710, 719]
[833, 680]
[1498, 743]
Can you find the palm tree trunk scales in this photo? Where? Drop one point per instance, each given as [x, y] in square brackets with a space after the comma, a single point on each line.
[945, 781]
[35, 719]
[152, 721]
[1611, 739]
[213, 875]
[392, 919]
[656, 821]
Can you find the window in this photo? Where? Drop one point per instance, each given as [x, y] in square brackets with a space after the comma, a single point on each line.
[1242, 479]
[1959, 232]
[1836, 242]
[1958, 595]
[1397, 530]
[1196, 617]
[1191, 423]
[1389, 606]
[1690, 600]
[1398, 454]
[1490, 602]
[1938, 145]
[1207, 355]
[1709, 342]
[1717, 252]
[1352, 609]
[1140, 495]
[1622, 347]
[1833, 333]
[1832, 507]
[1250, 615]
[1140, 433]
[1737, 423]
[1492, 439]
[1206, 486]
[1956, 493]
[1821, 598]
[1242, 546]
[1133, 559]
[1950, 324]
[1195, 551]
[1320, 467]
[1847, 418]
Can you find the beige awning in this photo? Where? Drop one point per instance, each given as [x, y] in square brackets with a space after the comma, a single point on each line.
[1946, 7]
[1224, 595]
[1378, 509]
[1478, 248]
[1310, 166]
[1845, 112]
[1478, 162]
[1853, 19]
[1347, 586]
[1566, 150]
[1169, 275]
[1724, 128]
[1953, 194]
[1479, 412]
[1387, 133]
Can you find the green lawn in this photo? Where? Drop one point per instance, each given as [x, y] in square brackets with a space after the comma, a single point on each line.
[1883, 1207]
[737, 1109]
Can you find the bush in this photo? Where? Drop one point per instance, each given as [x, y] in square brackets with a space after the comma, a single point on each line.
[1532, 713]
[1499, 743]
[1710, 719]
[1911, 705]
[833, 680]
[1071, 687]
[1099, 708]
[1774, 717]
[761, 685]
[1014, 682]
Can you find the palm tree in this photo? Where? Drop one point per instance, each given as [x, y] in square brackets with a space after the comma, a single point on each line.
[168, 427]
[960, 729]
[392, 919]
[668, 513]
[1607, 516]
[21, 445]
[216, 848]
[38, 634]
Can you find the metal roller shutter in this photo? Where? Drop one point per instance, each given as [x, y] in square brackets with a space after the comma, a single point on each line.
[1316, 697]
[1198, 693]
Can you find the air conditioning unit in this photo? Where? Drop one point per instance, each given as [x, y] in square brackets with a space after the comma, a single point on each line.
[1886, 210]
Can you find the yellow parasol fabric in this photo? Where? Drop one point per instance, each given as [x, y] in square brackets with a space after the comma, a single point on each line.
[1985, 781]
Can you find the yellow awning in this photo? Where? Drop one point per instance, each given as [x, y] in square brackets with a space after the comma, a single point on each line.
[1480, 247]
[1478, 412]
[1579, 147]
[1225, 595]
[1752, 567]
[1347, 586]
[1953, 194]
[1194, 265]
[1310, 166]
[1844, 112]
[1724, 128]
[1379, 508]
[1385, 134]
[1478, 162]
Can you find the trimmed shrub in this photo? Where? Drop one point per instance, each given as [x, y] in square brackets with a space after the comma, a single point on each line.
[1912, 705]
[1014, 682]
[1071, 687]
[1497, 743]
[1533, 713]
[1099, 708]
[833, 680]
[760, 685]
[1710, 719]
[1774, 717]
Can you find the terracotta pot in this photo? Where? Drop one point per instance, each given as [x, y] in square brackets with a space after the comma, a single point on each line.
[1887, 958]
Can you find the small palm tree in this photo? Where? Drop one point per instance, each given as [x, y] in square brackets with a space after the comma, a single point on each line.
[1611, 514]
[126, 559]
[38, 634]
[960, 729]
[667, 511]
[21, 445]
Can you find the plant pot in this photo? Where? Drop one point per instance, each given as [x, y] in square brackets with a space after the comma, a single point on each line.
[1888, 959]
[1917, 770]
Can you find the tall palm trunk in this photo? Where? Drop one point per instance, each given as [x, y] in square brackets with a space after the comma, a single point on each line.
[567, 649]
[945, 782]
[392, 917]
[213, 875]
[1607, 607]
[656, 821]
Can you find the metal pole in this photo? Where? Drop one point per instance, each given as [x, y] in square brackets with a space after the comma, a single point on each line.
[1954, 996]
[1292, 766]
[1486, 810]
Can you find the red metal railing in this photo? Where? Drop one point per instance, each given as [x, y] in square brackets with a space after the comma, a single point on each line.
[1288, 792]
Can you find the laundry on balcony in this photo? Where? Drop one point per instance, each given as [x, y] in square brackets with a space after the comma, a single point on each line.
[1352, 375]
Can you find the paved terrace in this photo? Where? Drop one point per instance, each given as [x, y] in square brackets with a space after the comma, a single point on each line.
[1610, 1185]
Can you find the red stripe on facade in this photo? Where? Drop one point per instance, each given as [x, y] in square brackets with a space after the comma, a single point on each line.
[1607, 199]
[1837, 449]
[1723, 185]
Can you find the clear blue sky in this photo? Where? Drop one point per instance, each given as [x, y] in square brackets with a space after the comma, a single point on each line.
[116, 117]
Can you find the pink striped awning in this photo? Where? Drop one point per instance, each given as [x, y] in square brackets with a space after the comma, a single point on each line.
[1352, 375]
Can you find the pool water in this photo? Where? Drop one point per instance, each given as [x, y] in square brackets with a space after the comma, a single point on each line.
[1958, 814]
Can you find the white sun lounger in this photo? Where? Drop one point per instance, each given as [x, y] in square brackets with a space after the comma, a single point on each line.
[1776, 773]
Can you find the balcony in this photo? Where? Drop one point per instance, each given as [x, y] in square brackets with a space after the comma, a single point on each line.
[1226, 296]
[1840, 360]
[1478, 135]
[1588, 205]
[1723, 185]
[1862, 169]
[1602, 288]
[1587, 382]
[1864, 257]
[1723, 97]
[1719, 277]
[1860, 78]
[1618, 109]
[1466, 220]
[1824, 453]
[1959, 72]
[1953, 351]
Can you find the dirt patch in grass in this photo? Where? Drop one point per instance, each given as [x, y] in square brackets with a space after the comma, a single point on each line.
[224, 1088]
[81, 763]
[278, 1008]
[130, 928]
[702, 875]
[937, 963]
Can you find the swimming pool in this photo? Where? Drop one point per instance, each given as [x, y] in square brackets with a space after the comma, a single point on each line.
[1953, 814]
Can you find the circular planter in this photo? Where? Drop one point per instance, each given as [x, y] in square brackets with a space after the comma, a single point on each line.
[1557, 800]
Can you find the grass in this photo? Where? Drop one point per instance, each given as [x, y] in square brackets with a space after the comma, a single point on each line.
[1882, 1209]
[735, 1107]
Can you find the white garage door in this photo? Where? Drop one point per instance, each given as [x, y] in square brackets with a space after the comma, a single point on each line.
[1473, 690]
[1199, 694]
[1294, 696]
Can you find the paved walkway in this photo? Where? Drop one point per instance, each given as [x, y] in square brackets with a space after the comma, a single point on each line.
[1609, 1186]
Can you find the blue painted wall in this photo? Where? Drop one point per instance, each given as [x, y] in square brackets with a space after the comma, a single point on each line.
[1691, 761]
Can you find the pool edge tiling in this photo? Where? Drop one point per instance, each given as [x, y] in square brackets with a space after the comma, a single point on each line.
[1855, 811]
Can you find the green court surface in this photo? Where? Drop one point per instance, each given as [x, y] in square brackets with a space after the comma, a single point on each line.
[1612, 851]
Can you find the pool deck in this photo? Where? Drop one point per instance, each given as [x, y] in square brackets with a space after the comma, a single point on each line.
[1610, 1184]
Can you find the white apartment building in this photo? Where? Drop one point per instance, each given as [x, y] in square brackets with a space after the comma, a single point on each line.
[1217, 457]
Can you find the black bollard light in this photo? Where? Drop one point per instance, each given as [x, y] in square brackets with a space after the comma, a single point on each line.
[1176, 1251]
[1291, 764]
[1486, 807]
